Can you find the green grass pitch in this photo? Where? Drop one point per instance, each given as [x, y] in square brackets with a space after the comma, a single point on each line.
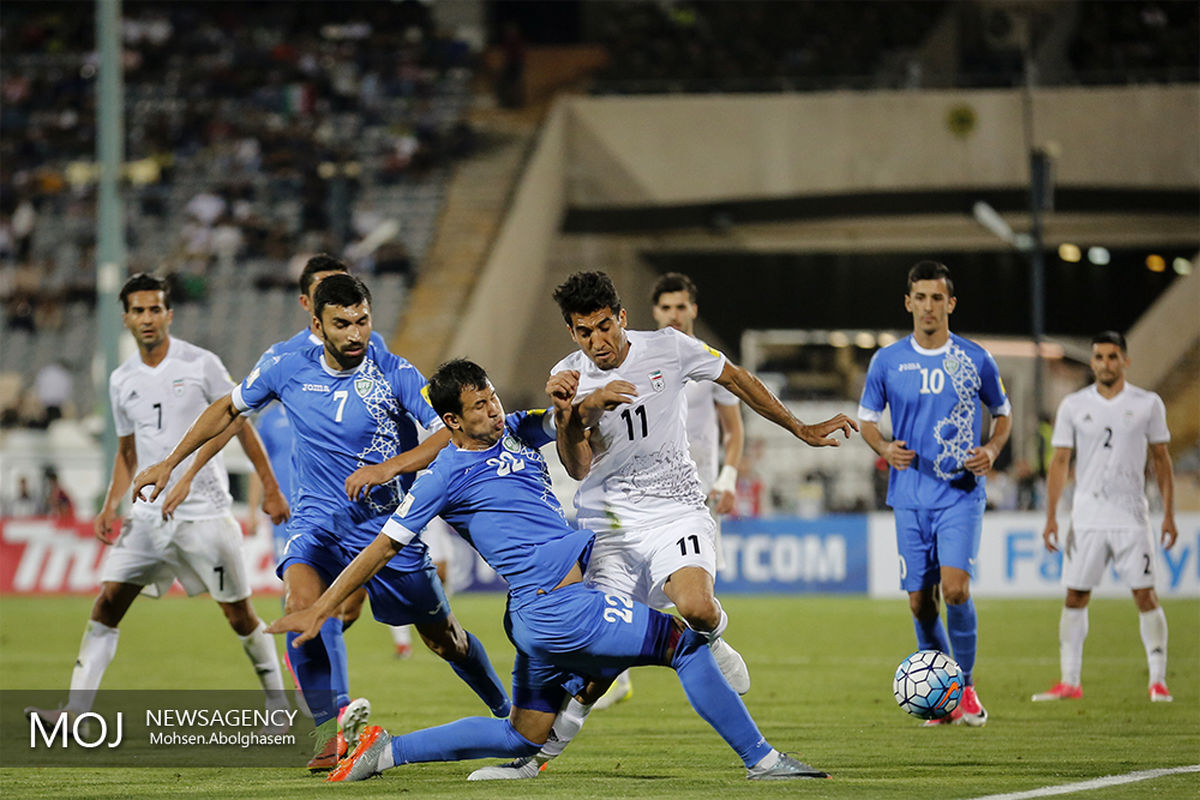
[821, 668]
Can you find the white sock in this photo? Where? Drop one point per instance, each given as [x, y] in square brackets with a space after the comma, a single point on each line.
[96, 652]
[1072, 631]
[387, 759]
[766, 762]
[1153, 625]
[566, 725]
[260, 649]
[401, 634]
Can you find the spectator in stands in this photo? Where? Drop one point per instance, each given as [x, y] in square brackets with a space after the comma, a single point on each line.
[23, 503]
[53, 387]
[56, 503]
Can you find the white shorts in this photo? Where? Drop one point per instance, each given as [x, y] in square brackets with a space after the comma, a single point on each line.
[205, 555]
[1088, 552]
[636, 562]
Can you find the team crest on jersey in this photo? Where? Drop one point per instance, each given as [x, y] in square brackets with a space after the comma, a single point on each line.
[657, 382]
[951, 365]
[363, 386]
[510, 444]
[177, 386]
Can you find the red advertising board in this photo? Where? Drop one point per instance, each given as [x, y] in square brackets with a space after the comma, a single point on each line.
[52, 556]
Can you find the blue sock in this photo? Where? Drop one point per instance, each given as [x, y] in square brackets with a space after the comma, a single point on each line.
[476, 671]
[931, 635]
[310, 662]
[963, 626]
[339, 668]
[718, 704]
[471, 737]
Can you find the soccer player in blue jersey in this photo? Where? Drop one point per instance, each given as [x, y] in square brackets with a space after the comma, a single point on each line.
[493, 486]
[933, 383]
[349, 404]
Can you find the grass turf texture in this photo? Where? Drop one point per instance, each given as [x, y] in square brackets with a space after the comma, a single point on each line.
[822, 670]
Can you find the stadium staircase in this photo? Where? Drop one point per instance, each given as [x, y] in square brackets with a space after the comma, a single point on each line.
[477, 196]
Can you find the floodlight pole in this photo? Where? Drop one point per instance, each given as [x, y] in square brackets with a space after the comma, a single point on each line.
[110, 244]
[1039, 184]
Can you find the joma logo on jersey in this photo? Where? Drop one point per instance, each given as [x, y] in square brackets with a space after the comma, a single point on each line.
[314, 387]
[907, 367]
[657, 382]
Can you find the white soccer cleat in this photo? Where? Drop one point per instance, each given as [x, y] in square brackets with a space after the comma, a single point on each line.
[515, 770]
[1159, 694]
[785, 768]
[353, 719]
[732, 665]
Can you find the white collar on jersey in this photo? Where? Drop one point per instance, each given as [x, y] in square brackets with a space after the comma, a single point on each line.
[937, 351]
[312, 337]
[340, 373]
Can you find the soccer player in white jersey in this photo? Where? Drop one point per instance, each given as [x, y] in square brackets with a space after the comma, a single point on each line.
[190, 535]
[640, 492]
[714, 426]
[1108, 425]
[934, 384]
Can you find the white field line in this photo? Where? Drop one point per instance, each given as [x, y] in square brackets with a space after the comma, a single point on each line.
[1095, 783]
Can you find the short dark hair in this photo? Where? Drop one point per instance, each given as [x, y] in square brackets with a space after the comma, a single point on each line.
[144, 282]
[1110, 337]
[673, 282]
[322, 262]
[340, 290]
[448, 381]
[586, 293]
[930, 271]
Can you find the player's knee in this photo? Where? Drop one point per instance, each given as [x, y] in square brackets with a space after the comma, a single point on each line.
[957, 594]
[702, 613]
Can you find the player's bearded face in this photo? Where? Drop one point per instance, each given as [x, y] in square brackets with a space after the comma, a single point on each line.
[1108, 363]
[346, 331]
[147, 318]
[601, 337]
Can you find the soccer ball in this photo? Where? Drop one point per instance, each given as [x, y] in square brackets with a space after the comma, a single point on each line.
[928, 684]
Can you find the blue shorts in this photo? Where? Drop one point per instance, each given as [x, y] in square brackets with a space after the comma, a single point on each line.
[928, 539]
[399, 596]
[577, 632]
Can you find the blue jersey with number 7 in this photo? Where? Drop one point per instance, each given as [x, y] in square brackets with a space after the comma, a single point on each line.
[342, 420]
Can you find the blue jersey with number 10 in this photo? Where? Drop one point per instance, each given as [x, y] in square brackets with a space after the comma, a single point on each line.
[342, 420]
[500, 500]
[934, 399]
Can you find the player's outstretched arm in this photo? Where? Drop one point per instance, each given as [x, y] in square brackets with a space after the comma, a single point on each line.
[124, 464]
[363, 479]
[210, 424]
[1056, 481]
[751, 391]
[179, 492]
[308, 622]
[1161, 458]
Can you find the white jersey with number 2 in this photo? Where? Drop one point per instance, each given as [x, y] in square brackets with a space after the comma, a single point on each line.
[641, 472]
[1110, 438]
